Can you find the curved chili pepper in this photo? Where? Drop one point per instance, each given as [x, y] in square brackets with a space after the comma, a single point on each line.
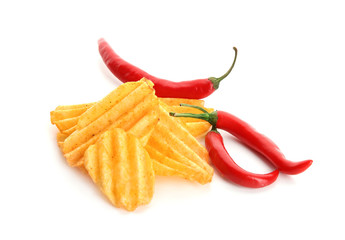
[260, 143]
[222, 160]
[255, 140]
[229, 169]
[126, 72]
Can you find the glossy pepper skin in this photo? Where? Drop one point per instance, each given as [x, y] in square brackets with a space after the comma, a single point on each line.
[260, 143]
[250, 137]
[126, 72]
[226, 166]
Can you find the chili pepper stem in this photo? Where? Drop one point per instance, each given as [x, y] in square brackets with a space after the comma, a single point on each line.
[215, 81]
[203, 116]
[214, 129]
[193, 106]
[209, 117]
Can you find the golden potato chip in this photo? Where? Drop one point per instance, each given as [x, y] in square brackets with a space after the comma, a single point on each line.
[69, 131]
[115, 99]
[68, 112]
[65, 113]
[75, 106]
[166, 166]
[178, 101]
[122, 169]
[66, 124]
[60, 139]
[79, 108]
[198, 129]
[172, 145]
[136, 113]
[85, 106]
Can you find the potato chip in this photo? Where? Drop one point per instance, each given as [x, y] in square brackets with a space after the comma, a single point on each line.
[70, 130]
[65, 117]
[76, 109]
[171, 144]
[178, 101]
[166, 166]
[136, 113]
[196, 127]
[122, 169]
[66, 124]
[115, 99]
[60, 138]
[65, 113]
[75, 106]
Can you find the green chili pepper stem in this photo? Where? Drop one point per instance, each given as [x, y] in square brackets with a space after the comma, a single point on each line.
[209, 117]
[193, 106]
[215, 80]
[214, 129]
[203, 116]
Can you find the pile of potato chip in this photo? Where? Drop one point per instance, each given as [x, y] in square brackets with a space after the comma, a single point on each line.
[128, 137]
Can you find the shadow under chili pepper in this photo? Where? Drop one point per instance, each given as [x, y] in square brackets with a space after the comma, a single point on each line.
[287, 179]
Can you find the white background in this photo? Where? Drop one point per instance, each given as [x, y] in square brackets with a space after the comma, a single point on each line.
[287, 83]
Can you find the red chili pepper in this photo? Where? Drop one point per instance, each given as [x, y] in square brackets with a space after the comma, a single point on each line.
[220, 157]
[229, 169]
[126, 72]
[249, 136]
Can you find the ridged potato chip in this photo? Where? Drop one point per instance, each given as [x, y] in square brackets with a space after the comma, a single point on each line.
[68, 111]
[178, 101]
[122, 169]
[132, 106]
[60, 137]
[65, 117]
[128, 137]
[75, 106]
[196, 127]
[174, 151]
[67, 124]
